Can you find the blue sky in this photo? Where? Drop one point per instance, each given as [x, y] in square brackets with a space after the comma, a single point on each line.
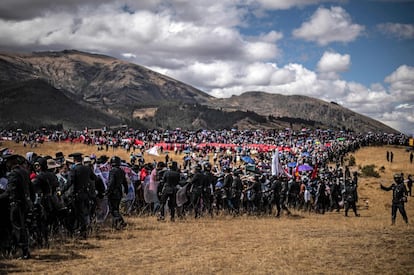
[356, 53]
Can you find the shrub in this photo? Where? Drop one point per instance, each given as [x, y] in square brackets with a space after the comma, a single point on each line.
[369, 171]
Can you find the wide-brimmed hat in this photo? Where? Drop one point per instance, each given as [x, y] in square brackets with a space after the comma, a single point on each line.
[52, 164]
[87, 159]
[76, 156]
[102, 159]
[69, 160]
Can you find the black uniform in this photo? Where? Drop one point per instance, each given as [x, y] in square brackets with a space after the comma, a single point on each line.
[227, 184]
[169, 191]
[207, 195]
[351, 197]
[399, 193]
[46, 204]
[18, 194]
[116, 182]
[236, 191]
[276, 187]
[197, 183]
[284, 194]
[78, 180]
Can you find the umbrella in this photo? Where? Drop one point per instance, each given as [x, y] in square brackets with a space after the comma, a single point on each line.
[291, 164]
[305, 167]
[305, 154]
[247, 159]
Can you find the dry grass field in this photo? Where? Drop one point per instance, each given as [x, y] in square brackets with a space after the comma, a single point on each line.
[303, 243]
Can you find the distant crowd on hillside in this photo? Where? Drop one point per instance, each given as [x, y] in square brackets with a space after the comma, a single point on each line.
[178, 139]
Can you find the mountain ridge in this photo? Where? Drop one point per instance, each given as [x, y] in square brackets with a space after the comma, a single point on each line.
[123, 92]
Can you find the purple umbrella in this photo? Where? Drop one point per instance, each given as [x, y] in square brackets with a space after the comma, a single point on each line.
[305, 167]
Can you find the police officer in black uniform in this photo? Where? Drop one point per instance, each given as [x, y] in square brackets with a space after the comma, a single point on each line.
[255, 195]
[227, 183]
[208, 188]
[45, 185]
[284, 194]
[171, 179]
[78, 180]
[18, 193]
[399, 197]
[116, 182]
[276, 188]
[197, 182]
[351, 197]
[236, 191]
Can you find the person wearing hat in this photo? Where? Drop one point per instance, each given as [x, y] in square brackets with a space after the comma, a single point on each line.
[18, 193]
[227, 183]
[79, 177]
[60, 157]
[117, 181]
[219, 194]
[196, 184]
[255, 197]
[45, 185]
[236, 191]
[208, 188]
[92, 183]
[171, 179]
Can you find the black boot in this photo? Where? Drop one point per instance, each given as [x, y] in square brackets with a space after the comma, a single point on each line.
[25, 254]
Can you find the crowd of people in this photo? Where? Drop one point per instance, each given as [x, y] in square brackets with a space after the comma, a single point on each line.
[227, 172]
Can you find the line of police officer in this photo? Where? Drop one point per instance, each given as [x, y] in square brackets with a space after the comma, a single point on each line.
[35, 205]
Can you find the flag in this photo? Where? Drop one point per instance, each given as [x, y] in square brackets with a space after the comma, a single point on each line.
[147, 193]
[298, 161]
[153, 151]
[275, 163]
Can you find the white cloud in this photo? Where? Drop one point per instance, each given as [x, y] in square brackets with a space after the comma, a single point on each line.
[329, 25]
[129, 55]
[334, 62]
[403, 74]
[402, 82]
[200, 43]
[402, 31]
[284, 4]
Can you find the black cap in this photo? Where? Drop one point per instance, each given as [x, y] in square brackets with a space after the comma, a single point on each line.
[76, 156]
[59, 155]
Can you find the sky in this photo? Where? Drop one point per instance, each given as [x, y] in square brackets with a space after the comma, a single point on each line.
[357, 53]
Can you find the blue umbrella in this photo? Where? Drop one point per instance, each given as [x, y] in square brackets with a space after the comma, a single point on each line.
[247, 159]
[305, 167]
[291, 164]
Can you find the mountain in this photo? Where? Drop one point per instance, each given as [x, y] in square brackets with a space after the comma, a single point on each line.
[77, 89]
[31, 103]
[283, 107]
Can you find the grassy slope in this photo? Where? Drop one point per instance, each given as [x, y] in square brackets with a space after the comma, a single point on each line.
[303, 243]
